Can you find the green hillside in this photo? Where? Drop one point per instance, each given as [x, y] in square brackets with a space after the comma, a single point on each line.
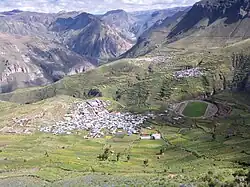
[139, 83]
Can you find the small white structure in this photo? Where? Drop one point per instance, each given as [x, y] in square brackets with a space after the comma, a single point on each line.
[145, 137]
[151, 137]
[156, 136]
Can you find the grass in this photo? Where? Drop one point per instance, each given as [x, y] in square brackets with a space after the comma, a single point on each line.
[195, 109]
[129, 82]
[72, 160]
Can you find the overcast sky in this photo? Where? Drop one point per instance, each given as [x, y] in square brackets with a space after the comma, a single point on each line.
[92, 6]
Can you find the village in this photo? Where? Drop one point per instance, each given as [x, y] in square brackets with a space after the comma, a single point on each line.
[193, 72]
[94, 117]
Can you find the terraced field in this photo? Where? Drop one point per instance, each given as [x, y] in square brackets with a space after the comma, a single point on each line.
[204, 154]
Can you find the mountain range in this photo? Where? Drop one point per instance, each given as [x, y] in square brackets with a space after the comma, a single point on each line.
[41, 48]
[65, 43]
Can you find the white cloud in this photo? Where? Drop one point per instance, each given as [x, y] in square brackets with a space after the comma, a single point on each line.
[92, 6]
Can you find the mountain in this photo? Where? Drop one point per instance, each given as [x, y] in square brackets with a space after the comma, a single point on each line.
[87, 35]
[133, 24]
[122, 21]
[208, 24]
[27, 61]
[148, 19]
[214, 23]
[38, 48]
[41, 48]
[68, 28]
[155, 35]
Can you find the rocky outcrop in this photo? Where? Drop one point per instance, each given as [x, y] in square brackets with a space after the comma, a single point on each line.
[241, 77]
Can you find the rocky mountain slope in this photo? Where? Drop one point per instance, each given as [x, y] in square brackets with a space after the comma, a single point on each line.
[208, 24]
[122, 21]
[40, 48]
[30, 61]
[87, 35]
[155, 18]
[213, 24]
[207, 14]
[155, 35]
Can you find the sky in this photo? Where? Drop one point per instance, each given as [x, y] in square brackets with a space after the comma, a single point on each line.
[91, 6]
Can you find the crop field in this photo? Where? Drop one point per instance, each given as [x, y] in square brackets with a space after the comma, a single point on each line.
[200, 152]
[183, 156]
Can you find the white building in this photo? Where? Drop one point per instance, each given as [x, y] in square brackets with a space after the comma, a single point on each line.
[145, 137]
[156, 136]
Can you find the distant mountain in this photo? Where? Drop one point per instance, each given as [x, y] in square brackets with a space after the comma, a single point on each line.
[147, 19]
[27, 61]
[7, 13]
[156, 35]
[88, 35]
[122, 21]
[72, 23]
[40, 48]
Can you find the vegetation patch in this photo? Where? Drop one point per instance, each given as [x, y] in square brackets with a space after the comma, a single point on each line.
[195, 109]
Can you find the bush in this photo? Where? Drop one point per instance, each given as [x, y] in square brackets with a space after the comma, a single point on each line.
[94, 92]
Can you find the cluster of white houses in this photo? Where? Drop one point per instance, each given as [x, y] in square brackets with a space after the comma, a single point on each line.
[94, 117]
[193, 72]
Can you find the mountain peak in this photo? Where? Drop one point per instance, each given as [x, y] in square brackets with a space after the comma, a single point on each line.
[118, 11]
[15, 11]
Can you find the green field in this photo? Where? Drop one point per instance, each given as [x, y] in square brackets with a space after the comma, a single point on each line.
[202, 155]
[70, 160]
[195, 109]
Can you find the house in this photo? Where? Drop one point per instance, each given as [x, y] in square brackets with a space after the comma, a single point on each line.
[145, 137]
[155, 136]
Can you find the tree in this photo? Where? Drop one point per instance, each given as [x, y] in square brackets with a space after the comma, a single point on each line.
[161, 151]
[145, 162]
[106, 150]
[46, 154]
[128, 157]
[104, 155]
[118, 157]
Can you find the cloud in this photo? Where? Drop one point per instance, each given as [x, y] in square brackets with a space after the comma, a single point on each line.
[92, 6]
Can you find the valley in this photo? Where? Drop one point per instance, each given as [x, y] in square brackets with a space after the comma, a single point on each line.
[127, 99]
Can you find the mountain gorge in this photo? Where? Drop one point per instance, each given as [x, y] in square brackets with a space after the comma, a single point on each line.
[58, 44]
